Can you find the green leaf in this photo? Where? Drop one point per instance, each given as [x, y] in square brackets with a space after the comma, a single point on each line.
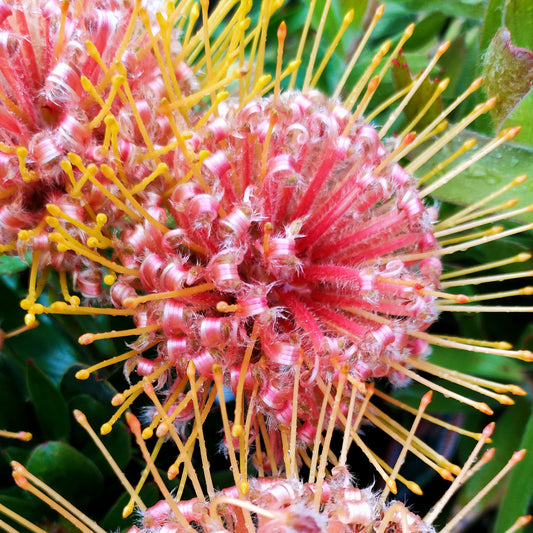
[506, 439]
[67, 471]
[113, 520]
[519, 20]
[492, 21]
[520, 486]
[12, 394]
[117, 442]
[401, 76]
[508, 73]
[95, 387]
[522, 115]
[48, 345]
[487, 175]
[11, 264]
[50, 407]
[32, 510]
[457, 8]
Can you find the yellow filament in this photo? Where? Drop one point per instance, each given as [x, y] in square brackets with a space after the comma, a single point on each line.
[20, 435]
[439, 341]
[319, 426]
[128, 508]
[462, 215]
[480, 406]
[198, 419]
[316, 44]
[107, 427]
[268, 446]
[390, 121]
[132, 303]
[282, 34]
[494, 230]
[206, 408]
[516, 457]
[434, 148]
[346, 441]
[387, 103]
[136, 430]
[417, 447]
[239, 397]
[346, 21]
[486, 279]
[362, 105]
[191, 472]
[20, 519]
[293, 471]
[126, 40]
[88, 338]
[84, 373]
[441, 87]
[327, 440]
[465, 147]
[376, 60]
[26, 174]
[109, 173]
[53, 499]
[426, 399]
[504, 136]
[117, 81]
[215, 21]
[217, 373]
[486, 220]
[163, 427]
[84, 423]
[429, 418]
[463, 246]
[165, 67]
[462, 379]
[519, 258]
[149, 430]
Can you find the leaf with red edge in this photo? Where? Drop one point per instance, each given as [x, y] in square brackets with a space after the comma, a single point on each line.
[402, 77]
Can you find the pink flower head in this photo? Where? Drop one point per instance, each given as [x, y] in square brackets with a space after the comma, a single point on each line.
[295, 227]
[285, 506]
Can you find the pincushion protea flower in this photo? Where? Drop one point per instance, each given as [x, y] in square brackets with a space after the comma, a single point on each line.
[57, 99]
[277, 244]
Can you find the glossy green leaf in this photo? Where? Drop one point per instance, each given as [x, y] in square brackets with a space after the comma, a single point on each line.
[458, 8]
[519, 21]
[117, 442]
[113, 520]
[506, 439]
[487, 175]
[94, 386]
[12, 393]
[492, 21]
[50, 407]
[522, 115]
[12, 264]
[519, 493]
[67, 471]
[508, 74]
[31, 509]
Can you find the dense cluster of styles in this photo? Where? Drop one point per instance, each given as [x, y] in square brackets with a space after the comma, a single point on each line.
[263, 241]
